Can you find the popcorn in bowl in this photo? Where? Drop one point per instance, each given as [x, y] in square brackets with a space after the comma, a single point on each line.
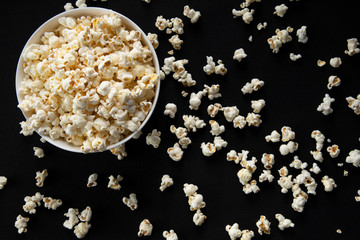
[87, 80]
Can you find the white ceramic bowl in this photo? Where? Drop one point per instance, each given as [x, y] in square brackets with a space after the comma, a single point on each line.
[51, 25]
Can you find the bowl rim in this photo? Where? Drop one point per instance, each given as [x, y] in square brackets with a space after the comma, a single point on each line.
[88, 11]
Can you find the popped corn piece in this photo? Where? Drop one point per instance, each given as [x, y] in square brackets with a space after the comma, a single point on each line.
[189, 189]
[220, 68]
[251, 187]
[219, 143]
[171, 235]
[246, 14]
[319, 138]
[305, 178]
[29, 206]
[266, 176]
[298, 164]
[247, 3]
[283, 172]
[196, 201]
[247, 234]
[263, 225]
[153, 38]
[230, 113]
[180, 132]
[145, 228]
[92, 180]
[3, 181]
[192, 14]
[283, 222]
[166, 181]
[170, 109]
[86, 214]
[282, 36]
[175, 152]
[213, 109]
[195, 100]
[325, 106]
[334, 81]
[72, 214]
[261, 26]
[250, 38]
[162, 23]
[295, 57]
[320, 63]
[329, 183]
[248, 164]
[300, 198]
[287, 134]
[153, 138]
[168, 62]
[239, 54]
[82, 229]
[346, 173]
[253, 119]
[285, 183]
[268, 160]
[131, 202]
[184, 142]
[357, 198]
[212, 91]
[209, 68]
[216, 128]
[354, 158]
[184, 93]
[354, 104]
[273, 137]
[114, 182]
[280, 10]
[176, 42]
[302, 35]
[26, 128]
[317, 155]
[38, 152]
[254, 85]
[208, 149]
[68, 6]
[80, 3]
[352, 44]
[193, 123]
[333, 150]
[199, 218]
[233, 156]
[177, 26]
[239, 122]
[120, 151]
[51, 203]
[315, 169]
[244, 176]
[257, 105]
[21, 224]
[335, 62]
[40, 177]
[233, 231]
[290, 147]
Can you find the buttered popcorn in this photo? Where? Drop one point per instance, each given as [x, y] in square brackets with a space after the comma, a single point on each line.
[90, 82]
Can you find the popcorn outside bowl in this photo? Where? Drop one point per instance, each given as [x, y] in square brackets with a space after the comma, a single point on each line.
[51, 25]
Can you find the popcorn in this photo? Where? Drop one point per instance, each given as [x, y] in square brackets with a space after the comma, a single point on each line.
[315, 169]
[319, 138]
[193, 123]
[248, 164]
[120, 151]
[320, 63]
[21, 224]
[32, 202]
[335, 62]
[329, 183]
[196, 202]
[254, 85]
[298, 164]
[170, 109]
[251, 187]
[68, 6]
[280, 10]
[166, 181]
[268, 160]
[73, 218]
[230, 113]
[257, 105]
[184, 93]
[145, 228]
[334, 81]
[92, 180]
[283, 222]
[352, 44]
[354, 104]
[247, 234]
[357, 198]
[176, 42]
[261, 26]
[209, 68]
[162, 23]
[153, 138]
[212, 91]
[325, 106]
[283, 172]
[305, 178]
[3, 181]
[189, 189]
[175, 152]
[180, 132]
[244, 176]
[80, 3]
[346, 173]
[184, 142]
[171, 235]
[247, 4]
[82, 229]
[334, 151]
[153, 38]
[285, 183]
[86, 214]
[233, 231]
[114, 182]
[294, 57]
[301, 34]
[213, 109]
[246, 14]
[195, 100]
[216, 129]
[220, 68]
[208, 149]
[239, 54]
[168, 62]
[273, 137]
[263, 225]
[354, 158]
[290, 147]
[266, 176]
[177, 26]
[282, 36]
[300, 198]
[253, 119]
[40, 177]
[219, 143]
[317, 155]
[199, 218]
[233, 156]
[192, 14]
[239, 122]
[38, 152]
[51, 203]
[131, 202]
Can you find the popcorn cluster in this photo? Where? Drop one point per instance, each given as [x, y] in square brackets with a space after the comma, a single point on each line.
[178, 68]
[74, 217]
[234, 232]
[196, 202]
[145, 228]
[281, 37]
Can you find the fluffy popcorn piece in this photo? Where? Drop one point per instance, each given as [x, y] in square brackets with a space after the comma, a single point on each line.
[285, 183]
[329, 183]
[166, 181]
[251, 187]
[281, 37]
[280, 10]
[213, 109]
[219, 143]
[261, 26]
[287, 134]
[247, 234]
[176, 42]
[300, 198]
[184, 142]
[82, 229]
[320, 63]
[266, 176]
[40, 177]
[180, 132]
[196, 201]
[246, 14]
[216, 128]
[295, 57]
[80, 3]
[290, 147]
[283, 172]
[334, 81]
[230, 113]
[175, 152]
[352, 44]
[72, 214]
[357, 198]
[325, 106]
[86, 214]
[29, 206]
[273, 137]
[333, 150]
[171, 235]
[192, 14]
[283, 222]
[21, 224]
[250, 38]
[153, 38]
[114, 182]
[268, 160]
[195, 100]
[317, 155]
[199, 218]
[209, 68]
[298, 164]
[335, 62]
[189, 189]
[92, 180]
[193, 123]
[167, 68]
[212, 91]
[257, 105]
[233, 231]
[38, 152]
[239, 122]
[145, 228]
[220, 68]
[354, 104]
[208, 149]
[153, 138]
[170, 109]
[68, 6]
[354, 158]
[319, 138]
[302, 35]
[253, 119]
[51, 203]
[177, 26]
[162, 23]
[315, 169]
[131, 201]
[233, 156]
[3, 181]
[254, 85]
[263, 225]
[239, 54]
[248, 164]
[120, 151]
[244, 176]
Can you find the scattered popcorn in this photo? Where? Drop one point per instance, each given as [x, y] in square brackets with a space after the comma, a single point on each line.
[246, 14]
[120, 151]
[315, 169]
[273, 137]
[208, 149]
[3, 181]
[233, 231]
[239, 122]
[196, 202]
[261, 26]
[282, 36]
[352, 44]
[239, 54]
[357, 198]
[280, 10]
[195, 100]
[354, 158]
[212, 91]
[317, 155]
[189, 189]
[298, 164]
[300, 198]
[301, 34]
[162, 23]
[184, 93]
[216, 129]
[153, 38]
[305, 178]
[199, 218]
[177, 26]
[209, 68]
[285, 183]
[247, 234]
[193, 123]
[85, 215]
[40, 177]
[171, 235]
[257, 105]
[233, 156]
[180, 132]
[42, 140]
[248, 164]
[192, 14]
[171, 52]
[251, 187]
[38, 152]
[168, 65]
[354, 104]
[72, 214]
[153, 138]
[244, 176]
[283, 222]
[230, 113]
[287, 134]
[170, 109]
[145, 228]
[131, 202]
[51, 203]
[166, 181]
[213, 109]
[333, 150]
[283, 172]
[32, 202]
[114, 182]
[247, 3]
[92, 180]
[176, 42]
[80, 3]
[219, 143]
[68, 6]
[263, 225]
[329, 183]
[319, 138]
[268, 160]
[220, 68]
[325, 106]
[82, 229]
[266, 176]
[335, 62]
[21, 224]
[184, 142]
[290, 147]
[334, 81]
[321, 63]
[254, 85]
[175, 152]
[294, 57]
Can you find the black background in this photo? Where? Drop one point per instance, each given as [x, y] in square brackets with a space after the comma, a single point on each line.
[292, 92]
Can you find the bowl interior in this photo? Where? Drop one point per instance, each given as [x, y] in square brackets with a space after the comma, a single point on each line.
[51, 25]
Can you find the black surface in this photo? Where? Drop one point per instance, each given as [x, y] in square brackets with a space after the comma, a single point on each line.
[292, 91]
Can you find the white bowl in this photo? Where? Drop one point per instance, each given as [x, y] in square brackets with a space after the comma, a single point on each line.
[51, 25]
